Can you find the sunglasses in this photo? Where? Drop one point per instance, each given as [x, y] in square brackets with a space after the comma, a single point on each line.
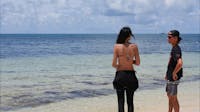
[169, 37]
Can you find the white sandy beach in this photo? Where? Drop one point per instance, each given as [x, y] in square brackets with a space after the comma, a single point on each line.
[145, 101]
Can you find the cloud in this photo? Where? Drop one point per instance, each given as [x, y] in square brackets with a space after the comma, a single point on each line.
[102, 16]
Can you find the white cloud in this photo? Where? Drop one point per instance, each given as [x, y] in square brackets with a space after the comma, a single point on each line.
[89, 16]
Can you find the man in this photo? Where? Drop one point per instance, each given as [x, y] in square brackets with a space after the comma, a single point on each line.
[174, 70]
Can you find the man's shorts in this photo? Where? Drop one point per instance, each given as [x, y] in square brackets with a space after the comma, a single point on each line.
[171, 87]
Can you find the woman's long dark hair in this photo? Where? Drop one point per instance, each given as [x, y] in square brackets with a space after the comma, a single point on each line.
[124, 33]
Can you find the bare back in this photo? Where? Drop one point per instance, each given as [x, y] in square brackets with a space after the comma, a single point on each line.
[124, 56]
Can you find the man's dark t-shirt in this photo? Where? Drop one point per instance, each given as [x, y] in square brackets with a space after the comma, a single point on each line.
[175, 55]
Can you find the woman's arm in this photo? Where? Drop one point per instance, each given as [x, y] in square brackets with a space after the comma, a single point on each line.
[137, 56]
[114, 62]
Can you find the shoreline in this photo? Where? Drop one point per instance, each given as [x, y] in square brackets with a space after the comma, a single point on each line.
[144, 101]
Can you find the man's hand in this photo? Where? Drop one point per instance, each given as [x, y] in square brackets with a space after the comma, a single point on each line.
[175, 77]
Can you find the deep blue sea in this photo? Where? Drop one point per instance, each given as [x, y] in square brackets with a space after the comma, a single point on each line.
[35, 45]
[39, 69]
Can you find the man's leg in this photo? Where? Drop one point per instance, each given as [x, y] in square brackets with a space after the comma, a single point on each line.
[172, 94]
[174, 97]
[175, 103]
[170, 103]
[169, 92]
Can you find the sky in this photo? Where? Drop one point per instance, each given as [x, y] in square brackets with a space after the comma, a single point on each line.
[99, 16]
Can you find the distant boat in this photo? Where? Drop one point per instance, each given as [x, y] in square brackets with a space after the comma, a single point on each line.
[162, 33]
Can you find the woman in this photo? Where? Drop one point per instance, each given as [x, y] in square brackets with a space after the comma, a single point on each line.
[125, 55]
[174, 70]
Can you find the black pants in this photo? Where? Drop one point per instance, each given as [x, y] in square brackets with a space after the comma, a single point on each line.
[129, 97]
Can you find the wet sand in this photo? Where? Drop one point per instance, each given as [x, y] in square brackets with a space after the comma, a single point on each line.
[145, 101]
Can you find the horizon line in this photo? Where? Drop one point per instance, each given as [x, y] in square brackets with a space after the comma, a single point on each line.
[77, 33]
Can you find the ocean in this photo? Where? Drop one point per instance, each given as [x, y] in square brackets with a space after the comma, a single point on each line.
[38, 69]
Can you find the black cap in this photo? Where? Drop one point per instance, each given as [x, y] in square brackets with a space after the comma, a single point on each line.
[175, 33]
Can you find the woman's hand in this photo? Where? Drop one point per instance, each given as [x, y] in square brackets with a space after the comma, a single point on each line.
[165, 77]
[116, 66]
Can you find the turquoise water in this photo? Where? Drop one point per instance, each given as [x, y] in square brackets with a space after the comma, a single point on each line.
[37, 69]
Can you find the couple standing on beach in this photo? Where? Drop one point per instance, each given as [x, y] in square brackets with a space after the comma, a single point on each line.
[126, 54]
